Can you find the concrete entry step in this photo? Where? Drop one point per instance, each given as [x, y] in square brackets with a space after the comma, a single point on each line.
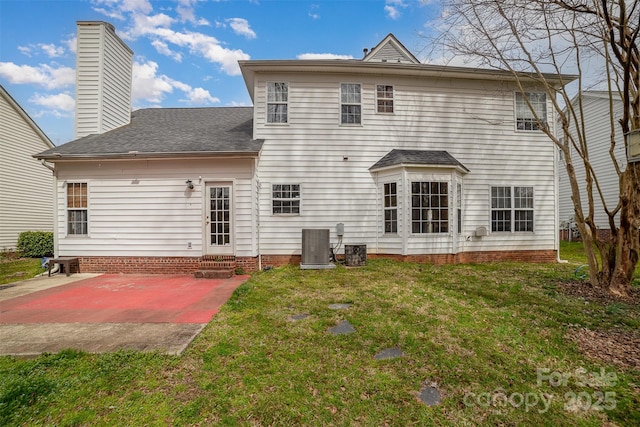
[216, 267]
[213, 274]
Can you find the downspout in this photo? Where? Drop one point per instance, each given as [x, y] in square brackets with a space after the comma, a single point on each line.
[378, 205]
[257, 202]
[55, 205]
[556, 189]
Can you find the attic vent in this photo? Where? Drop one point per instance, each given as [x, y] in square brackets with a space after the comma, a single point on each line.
[315, 249]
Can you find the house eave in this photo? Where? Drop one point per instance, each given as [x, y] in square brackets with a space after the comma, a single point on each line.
[459, 168]
[134, 155]
[353, 66]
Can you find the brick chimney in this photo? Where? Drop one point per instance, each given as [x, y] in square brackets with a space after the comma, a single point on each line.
[104, 66]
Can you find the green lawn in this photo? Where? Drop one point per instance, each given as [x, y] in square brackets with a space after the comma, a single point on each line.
[13, 270]
[491, 337]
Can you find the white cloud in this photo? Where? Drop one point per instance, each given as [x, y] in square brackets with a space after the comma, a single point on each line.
[144, 25]
[201, 96]
[142, 6]
[239, 104]
[186, 11]
[163, 48]
[150, 87]
[25, 50]
[197, 95]
[59, 102]
[146, 85]
[323, 56]
[72, 43]
[157, 27]
[43, 75]
[392, 12]
[241, 26]
[312, 11]
[113, 14]
[51, 50]
[392, 8]
[207, 46]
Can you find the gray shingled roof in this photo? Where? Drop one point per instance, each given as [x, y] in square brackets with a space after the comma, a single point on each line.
[417, 157]
[167, 132]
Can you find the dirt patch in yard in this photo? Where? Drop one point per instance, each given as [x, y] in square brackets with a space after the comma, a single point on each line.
[618, 347]
[583, 289]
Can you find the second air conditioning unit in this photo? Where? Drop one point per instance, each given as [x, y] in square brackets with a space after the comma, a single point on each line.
[316, 253]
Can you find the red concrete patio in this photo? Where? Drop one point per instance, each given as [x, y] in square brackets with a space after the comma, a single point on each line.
[87, 313]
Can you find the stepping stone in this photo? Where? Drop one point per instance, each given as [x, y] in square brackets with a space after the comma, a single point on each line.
[343, 328]
[296, 317]
[339, 306]
[430, 396]
[389, 353]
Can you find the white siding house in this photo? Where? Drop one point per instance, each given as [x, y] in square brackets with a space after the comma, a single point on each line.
[418, 162]
[597, 128]
[26, 199]
[470, 114]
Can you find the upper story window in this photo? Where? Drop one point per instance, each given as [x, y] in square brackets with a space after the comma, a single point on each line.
[77, 213]
[350, 104]
[512, 209]
[277, 102]
[390, 207]
[429, 207]
[384, 96]
[525, 117]
[285, 198]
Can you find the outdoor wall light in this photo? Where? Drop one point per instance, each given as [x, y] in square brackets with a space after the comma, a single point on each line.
[189, 184]
[633, 145]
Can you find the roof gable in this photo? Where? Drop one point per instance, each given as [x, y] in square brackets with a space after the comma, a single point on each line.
[390, 50]
[45, 139]
[424, 158]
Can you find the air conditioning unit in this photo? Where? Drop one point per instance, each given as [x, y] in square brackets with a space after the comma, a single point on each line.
[316, 253]
[355, 255]
[481, 232]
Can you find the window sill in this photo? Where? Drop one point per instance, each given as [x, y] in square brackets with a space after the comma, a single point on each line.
[351, 125]
[277, 124]
[447, 233]
[528, 130]
[502, 233]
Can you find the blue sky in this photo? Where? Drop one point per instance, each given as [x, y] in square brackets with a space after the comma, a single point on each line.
[185, 51]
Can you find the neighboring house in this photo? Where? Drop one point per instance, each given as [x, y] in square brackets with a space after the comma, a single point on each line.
[26, 199]
[417, 162]
[597, 128]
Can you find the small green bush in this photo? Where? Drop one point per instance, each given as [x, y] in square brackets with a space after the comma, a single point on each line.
[35, 244]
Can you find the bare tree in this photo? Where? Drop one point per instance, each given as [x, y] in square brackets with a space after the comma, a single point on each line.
[538, 38]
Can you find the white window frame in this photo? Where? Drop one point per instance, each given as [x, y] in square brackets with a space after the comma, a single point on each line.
[79, 204]
[435, 219]
[386, 100]
[275, 98]
[388, 206]
[292, 200]
[346, 100]
[525, 119]
[515, 207]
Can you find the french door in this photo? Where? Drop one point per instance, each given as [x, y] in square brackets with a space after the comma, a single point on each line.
[219, 219]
